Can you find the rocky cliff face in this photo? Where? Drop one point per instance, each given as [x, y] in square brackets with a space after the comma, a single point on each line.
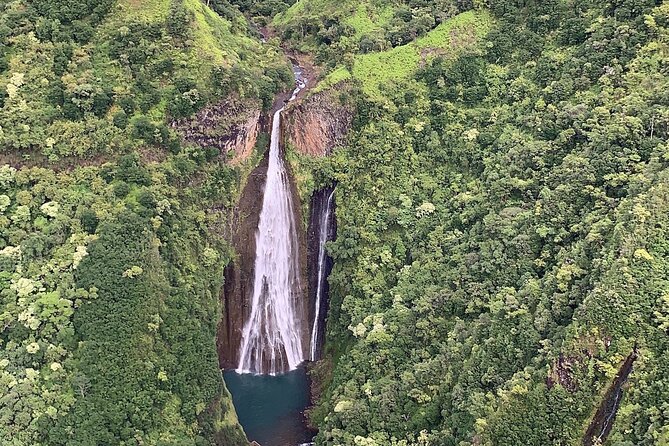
[232, 126]
[314, 125]
[602, 423]
[318, 123]
[238, 287]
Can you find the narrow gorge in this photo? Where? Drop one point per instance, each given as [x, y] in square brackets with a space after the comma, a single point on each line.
[273, 336]
[275, 294]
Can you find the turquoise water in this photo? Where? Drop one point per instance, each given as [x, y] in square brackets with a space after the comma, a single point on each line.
[270, 408]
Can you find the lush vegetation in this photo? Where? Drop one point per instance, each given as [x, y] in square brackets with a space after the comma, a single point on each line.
[502, 243]
[111, 228]
[453, 37]
[336, 31]
[116, 86]
[260, 12]
[502, 206]
[110, 282]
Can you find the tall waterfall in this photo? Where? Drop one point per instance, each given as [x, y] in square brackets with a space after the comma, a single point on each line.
[272, 336]
[323, 237]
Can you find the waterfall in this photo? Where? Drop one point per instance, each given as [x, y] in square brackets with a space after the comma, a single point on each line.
[272, 336]
[323, 238]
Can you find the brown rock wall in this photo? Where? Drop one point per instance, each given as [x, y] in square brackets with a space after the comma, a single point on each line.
[318, 123]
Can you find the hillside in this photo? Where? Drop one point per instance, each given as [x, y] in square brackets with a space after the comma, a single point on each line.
[501, 247]
[363, 18]
[386, 69]
[144, 64]
[111, 226]
[335, 31]
[496, 172]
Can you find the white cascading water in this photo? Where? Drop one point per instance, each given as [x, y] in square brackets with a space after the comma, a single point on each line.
[272, 336]
[322, 240]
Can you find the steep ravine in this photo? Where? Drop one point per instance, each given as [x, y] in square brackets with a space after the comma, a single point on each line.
[239, 273]
[312, 125]
[602, 423]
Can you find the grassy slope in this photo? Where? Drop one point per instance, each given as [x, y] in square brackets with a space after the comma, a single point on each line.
[303, 7]
[368, 18]
[214, 40]
[148, 11]
[449, 39]
[209, 34]
[364, 17]
[131, 55]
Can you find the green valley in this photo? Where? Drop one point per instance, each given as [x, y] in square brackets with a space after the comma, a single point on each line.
[475, 237]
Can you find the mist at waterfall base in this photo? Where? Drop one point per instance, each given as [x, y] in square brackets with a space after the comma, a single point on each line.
[270, 408]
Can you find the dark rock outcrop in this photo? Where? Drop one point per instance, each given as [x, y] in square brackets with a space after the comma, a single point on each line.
[602, 423]
[231, 126]
[238, 286]
[319, 200]
[562, 372]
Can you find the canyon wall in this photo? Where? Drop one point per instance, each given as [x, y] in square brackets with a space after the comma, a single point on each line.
[319, 122]
[232, 126]
[239, 274]
[312, 125]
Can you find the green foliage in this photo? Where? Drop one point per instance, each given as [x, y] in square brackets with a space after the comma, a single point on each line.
[72, 92]
[261, 11]
[381, 70]
[108, 317]
[67, 11]
[178, 20]
[335, 31]
[110, 274]
[501, 236]
[114, 336]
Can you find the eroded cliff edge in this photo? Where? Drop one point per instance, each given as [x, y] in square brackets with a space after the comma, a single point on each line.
[312, 125]
[319, 122]
[232, 126]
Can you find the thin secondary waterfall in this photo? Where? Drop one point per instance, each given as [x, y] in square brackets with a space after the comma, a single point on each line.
[323, 238]
[272, 336]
